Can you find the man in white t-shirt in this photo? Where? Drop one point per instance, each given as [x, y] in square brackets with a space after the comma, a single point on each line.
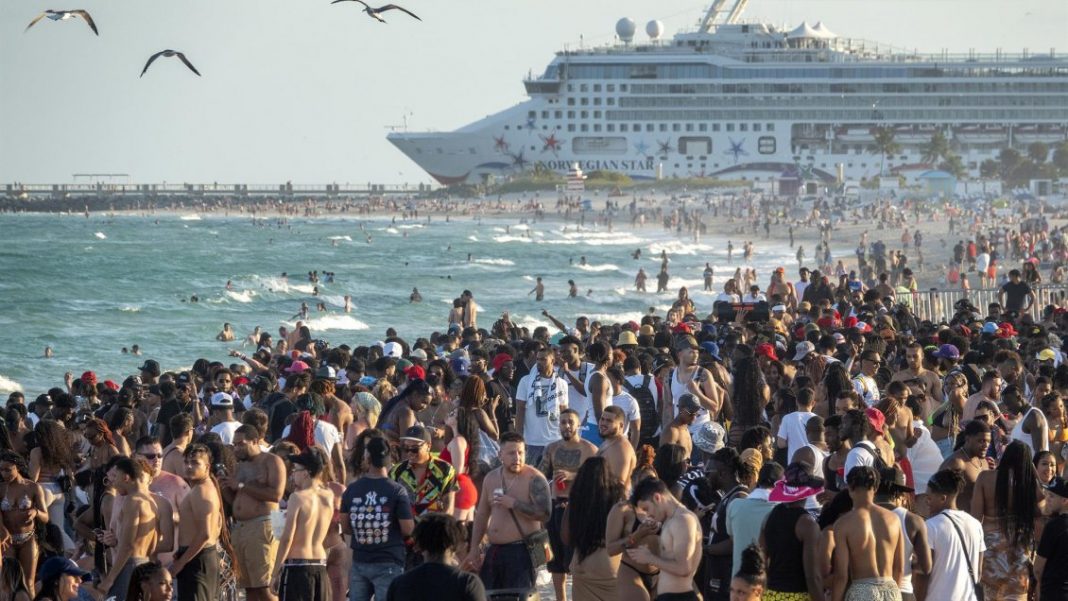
[858, 427]
[956, 540]
[221, 417]
[632, 417]
[792, 435]
[802, 283]
[539, 398]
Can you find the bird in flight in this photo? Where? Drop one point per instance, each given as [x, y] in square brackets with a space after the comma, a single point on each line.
[374, 12]
[63, 15]
[169, 53]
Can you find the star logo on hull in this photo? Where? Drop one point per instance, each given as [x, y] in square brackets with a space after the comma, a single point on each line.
[641, 148]
[519, 161]
[665, 147]
[551, 143]
[500, 144]
[736, 150]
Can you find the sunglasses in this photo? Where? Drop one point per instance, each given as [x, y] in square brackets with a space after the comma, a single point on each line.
[411, 450]
[151, 456]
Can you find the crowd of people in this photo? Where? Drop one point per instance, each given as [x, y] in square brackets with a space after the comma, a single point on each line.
[832, 446]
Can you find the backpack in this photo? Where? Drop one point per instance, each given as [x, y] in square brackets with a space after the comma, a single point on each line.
[647, 409]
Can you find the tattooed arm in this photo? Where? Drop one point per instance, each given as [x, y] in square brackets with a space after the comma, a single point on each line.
[540, 505]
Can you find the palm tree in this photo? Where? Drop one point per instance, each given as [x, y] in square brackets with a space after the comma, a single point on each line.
[885, 145]
[936, 149]
[953, 164]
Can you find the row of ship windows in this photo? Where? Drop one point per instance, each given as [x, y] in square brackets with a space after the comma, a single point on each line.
[843, 101]
[707, 71]
[845, 114]
[715, 127]
[990, 87]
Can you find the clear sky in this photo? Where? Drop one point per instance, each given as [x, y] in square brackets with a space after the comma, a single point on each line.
[302, 91]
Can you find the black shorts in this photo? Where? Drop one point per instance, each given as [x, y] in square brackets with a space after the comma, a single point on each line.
[307, 582]
[507, 567]
[687, 596]
[561, 563]
[199, 579]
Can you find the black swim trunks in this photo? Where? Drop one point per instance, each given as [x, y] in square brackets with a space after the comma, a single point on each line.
[199, 579]
[304, 581]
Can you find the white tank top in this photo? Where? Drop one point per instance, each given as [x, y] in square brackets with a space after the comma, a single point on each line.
[1024, 437]
[906, 577]
[677, 390]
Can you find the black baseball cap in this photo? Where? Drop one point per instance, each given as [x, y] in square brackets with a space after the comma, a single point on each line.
[151, 367]
[417, 433]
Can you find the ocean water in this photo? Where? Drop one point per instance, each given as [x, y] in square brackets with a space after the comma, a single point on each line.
[88, 287]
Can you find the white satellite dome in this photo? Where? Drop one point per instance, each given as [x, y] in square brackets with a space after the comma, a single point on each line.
[654, 29]
[625, 29]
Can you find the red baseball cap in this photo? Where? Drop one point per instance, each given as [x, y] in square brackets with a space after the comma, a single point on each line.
[876, 419]
[767, 350]
[89, 378]
[415, 372]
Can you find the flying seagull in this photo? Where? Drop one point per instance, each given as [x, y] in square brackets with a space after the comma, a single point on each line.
[374, 12]
[63, 15]
[169, 53]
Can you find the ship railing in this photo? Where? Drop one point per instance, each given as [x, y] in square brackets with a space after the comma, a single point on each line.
[937, 304]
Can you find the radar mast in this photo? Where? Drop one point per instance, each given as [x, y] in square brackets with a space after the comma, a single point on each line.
[722, 12]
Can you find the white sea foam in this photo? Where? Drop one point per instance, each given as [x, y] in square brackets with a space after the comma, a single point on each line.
[7, 385]
[605, 267]
[190, 217]
[507, 238]
[338, 300]
[608, 318]
[679, 247]
[392, 230]
[494, 261]
[411, 226]
[473, 238]
[333, 322]
[528, 278]
[244, 296]
[101, 235]
[130, 308]
[345, 238]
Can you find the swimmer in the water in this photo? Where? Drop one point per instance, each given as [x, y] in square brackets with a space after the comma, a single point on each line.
[229, 285]
[415, 297]
[48, 352]
[572, 290]
[348, 303]
[227, 333]
[135, 350]
[194, 299]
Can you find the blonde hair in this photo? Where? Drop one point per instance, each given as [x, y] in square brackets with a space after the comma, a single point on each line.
[365, 405]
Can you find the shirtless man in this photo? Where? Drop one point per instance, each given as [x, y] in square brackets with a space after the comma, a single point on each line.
[680, 541]
[137, 527]
[920, 380]
[893, 494]
[21, 503]
[196, 564]
[300, 566]
[560, 463]
[253, 493]
[678, 429]
[338, 411]
[169, 490]
[513, 493]
[616, 449]
[970, 459]
[869, 549]
[181, 428]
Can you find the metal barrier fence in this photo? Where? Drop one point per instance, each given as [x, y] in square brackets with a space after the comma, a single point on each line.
[937, 305]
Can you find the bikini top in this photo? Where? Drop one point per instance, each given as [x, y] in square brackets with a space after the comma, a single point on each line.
[24, 504]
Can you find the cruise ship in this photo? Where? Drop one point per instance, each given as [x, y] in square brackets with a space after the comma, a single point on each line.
[750, 101]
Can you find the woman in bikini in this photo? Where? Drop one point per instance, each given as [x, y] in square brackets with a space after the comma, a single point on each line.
[51, 460]
[627, 528]
[22, 504]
